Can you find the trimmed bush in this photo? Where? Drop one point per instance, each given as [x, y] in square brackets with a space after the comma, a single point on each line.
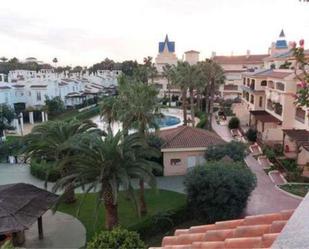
[203, 122]
[251, 135]
[44, 171]
[116, 239]
[161, 222]
[269, 153]
[219, 191]
[234, 123]
[235, 150]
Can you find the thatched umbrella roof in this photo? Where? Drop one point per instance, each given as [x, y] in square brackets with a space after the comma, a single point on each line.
[21, 205]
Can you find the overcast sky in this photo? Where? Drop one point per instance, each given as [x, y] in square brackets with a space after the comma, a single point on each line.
[87, 31]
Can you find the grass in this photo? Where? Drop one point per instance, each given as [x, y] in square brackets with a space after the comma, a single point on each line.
[70, 114]
[296, 189]
[159, 201]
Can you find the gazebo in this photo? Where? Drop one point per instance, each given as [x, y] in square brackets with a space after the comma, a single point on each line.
[21, 205]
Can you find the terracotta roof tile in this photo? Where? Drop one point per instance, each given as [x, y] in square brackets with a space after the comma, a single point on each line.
[258, 231]
[240, 59]
[188, 137]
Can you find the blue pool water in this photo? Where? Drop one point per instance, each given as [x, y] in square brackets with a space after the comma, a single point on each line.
[168, 121]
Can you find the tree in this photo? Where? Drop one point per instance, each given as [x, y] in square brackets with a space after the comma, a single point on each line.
[54, 105]
[181, 80]
[251, 134]
[213, 75]
[107, 163]
[137, 106]
[51, 141]
[218, 191]
[150, 68]
[55, 61]
[107, 112]
[234, 123]
[3, 59]
[7, 115]
[116, 239]
[128, 67]
[168, 74]
[302, 74]
[235, 150]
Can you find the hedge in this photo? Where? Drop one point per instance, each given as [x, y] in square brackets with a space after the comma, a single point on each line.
[162, 222]
[44, 171]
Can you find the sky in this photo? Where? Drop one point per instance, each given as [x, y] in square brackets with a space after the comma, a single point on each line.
[83, 32]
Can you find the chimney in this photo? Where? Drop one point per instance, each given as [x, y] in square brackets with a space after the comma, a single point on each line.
[248, 53]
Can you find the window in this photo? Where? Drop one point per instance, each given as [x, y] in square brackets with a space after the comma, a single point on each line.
[252, 85]
[280, 86]
[244, 81]
[260, 101]
[248, 81]
[38, 96]
[175, 162]
[252, 99]
[263, 83]
[300, 115]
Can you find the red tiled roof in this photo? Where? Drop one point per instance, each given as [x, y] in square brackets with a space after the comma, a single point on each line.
[258, 231]
[188, 137]
[240, 59]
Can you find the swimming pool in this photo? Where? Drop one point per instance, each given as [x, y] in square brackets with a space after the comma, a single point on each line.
[168, 120]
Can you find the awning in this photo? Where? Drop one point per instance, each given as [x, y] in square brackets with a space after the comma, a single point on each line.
[21, 205]
[264, 117]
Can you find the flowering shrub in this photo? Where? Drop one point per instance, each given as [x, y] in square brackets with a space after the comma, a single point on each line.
[302, 63]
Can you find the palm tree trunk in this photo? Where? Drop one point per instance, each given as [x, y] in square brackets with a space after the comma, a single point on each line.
[69, 194]
[192, 106]
[184, 106]
[143, 206]
[111, 207]
[169, 94]
[198, 101]
[211, 103]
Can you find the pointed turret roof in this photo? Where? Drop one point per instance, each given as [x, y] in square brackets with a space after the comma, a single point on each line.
[282, 34]
[170, 45]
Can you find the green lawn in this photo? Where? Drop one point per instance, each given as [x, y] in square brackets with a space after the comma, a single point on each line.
[296, 189]
[159, 201]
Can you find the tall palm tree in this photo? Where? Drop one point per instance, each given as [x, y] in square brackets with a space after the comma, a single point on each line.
[150, 68]
[107, 164]
[50, 142]
[168, 74]
[107, 112]
[213, 75]
[137, 107]
[181, 80]
[3, 59]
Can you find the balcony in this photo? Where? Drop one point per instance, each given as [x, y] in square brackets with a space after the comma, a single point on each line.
[275, 107]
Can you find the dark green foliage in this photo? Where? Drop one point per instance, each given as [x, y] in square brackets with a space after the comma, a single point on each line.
[251, 135]
[219, 191]
[293, 171]
[44, 171]
[54, 105]
[269, 153]
[161, 222]
[156, 143]
[235, 150]
[11, 147]
[116, 239]
[203, 122]
[234, 123]
[88, 113]
[6, 117]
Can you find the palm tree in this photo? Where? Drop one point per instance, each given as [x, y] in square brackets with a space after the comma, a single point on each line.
[108, 112]
[213, 75]
[137, 107]
[50, 142]
[168, 74]
[150, 68]
[181, 80]
[3, 59]
[108, 164]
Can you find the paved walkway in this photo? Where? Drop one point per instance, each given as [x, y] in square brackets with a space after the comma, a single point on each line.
[266, 198]
[60, 231]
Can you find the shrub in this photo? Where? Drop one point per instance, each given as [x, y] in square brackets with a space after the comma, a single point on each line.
[54, 105]
[116, 239]
[269, 153]
[219, 191]
[88, 113]
[234, 123]
[235, 150]
[251, 135]
[202, 123]
[156, 143]
[44, 171]
[161, 222]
